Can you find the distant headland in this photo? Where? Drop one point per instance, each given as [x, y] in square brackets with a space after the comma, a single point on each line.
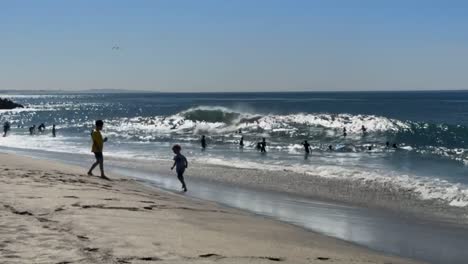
[8, 104]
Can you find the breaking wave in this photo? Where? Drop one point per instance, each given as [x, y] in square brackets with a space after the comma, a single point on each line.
[221, 120]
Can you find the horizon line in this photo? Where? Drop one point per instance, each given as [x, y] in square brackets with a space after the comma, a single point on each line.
[225, 92]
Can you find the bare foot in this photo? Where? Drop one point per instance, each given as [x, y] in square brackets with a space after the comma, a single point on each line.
[90, 173]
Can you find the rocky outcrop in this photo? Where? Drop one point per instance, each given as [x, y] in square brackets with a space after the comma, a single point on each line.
[8, 104]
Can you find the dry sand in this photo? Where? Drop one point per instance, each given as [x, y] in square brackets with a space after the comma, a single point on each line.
[53, 213]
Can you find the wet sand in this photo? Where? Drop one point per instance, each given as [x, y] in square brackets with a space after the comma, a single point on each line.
[367, 194]
[53, 213]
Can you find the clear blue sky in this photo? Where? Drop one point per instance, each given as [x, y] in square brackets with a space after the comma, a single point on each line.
[234, 45]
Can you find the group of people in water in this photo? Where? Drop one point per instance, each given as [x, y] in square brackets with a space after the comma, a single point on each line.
[41, 128]
[180, 161]
[261, 146]
[32, 130]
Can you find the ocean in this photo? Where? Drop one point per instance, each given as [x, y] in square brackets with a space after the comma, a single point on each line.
[429, 128]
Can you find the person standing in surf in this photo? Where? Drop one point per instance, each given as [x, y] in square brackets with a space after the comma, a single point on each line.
[41, 127]
[263, 146]
[97, 148]
[307, 147]
[53, 131]
[32, 130]
[203, 142]
[241, 142]
[180, 163]
[6, 128]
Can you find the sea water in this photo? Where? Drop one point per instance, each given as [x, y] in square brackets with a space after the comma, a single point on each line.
[429, 128]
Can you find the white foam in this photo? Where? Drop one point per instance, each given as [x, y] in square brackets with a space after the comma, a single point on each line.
[454, 194]
[288, 124]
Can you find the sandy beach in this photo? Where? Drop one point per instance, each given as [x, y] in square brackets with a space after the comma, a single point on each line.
[53, 213]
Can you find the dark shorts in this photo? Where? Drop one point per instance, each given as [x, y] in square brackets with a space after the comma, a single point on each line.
[98, 155]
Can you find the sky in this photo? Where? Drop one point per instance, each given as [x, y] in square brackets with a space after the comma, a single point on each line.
[234, 45]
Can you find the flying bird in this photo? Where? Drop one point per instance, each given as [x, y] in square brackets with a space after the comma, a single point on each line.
[115, 48]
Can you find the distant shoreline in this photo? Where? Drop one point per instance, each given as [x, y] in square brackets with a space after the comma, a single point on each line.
[123, 91]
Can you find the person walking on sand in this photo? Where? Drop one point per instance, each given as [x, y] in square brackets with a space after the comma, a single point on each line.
[203, 142]
[53, 130]
[180, 163]
[97, 148]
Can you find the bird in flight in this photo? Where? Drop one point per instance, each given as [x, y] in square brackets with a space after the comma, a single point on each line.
[115, 48]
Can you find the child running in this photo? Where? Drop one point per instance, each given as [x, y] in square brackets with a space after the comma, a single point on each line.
[98, 145]
[181, 163]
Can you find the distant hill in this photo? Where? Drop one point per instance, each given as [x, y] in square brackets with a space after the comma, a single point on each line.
[8, 104]
[111, 91]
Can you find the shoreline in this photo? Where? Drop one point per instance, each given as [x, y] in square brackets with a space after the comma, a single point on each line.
[51, 213]
[386, 196]
[367, 194]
